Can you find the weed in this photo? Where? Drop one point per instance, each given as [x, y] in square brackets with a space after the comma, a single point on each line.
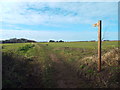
[90, 71]
[82, 66]
[25, 48]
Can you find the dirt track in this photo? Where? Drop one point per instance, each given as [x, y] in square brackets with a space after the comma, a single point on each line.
[64, 77]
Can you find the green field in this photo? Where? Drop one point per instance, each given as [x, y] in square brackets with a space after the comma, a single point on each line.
[91, 45]
[61, 65]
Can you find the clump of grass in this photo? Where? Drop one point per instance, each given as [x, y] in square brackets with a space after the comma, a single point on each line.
[25, 48]
[20, 72]
[82, 66]
[90, 71]
[111, 58]
[110, 64]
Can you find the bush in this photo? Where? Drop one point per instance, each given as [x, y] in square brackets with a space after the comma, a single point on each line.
[51, 41]
[25, 48]
[61, 41]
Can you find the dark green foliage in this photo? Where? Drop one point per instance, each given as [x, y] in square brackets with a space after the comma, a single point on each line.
[15, 40]
[61, 41]
[26, 47]
[56, 41]
[51, 41]
[3, 47]
[82, 66]
[90, 71]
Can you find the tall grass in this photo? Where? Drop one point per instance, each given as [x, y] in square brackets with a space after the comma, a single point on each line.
[83, 61]
[29, 65]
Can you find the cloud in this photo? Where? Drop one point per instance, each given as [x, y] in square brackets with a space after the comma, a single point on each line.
[19, 16]
[55, 13]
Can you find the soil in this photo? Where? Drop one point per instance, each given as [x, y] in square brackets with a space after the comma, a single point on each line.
[64, 77]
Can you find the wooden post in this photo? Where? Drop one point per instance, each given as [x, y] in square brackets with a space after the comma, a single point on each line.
[99, 24]
[99, 45]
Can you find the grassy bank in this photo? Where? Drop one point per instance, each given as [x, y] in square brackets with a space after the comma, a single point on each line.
[26, 65]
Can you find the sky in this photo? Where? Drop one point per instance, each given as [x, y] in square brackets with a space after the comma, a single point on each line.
[68, 21]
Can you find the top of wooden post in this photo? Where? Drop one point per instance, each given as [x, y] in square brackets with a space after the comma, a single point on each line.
[97, 24]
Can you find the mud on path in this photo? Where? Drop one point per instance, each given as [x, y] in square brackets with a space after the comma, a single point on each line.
[64, 77]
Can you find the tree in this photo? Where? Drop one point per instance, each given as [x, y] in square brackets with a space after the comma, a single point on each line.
[15, 40]
[61, 41]
[51, 41]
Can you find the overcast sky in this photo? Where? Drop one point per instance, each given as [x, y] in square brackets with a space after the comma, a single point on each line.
[69, 21]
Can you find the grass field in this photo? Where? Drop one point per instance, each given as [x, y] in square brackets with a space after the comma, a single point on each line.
[92, 45]
[61, 65]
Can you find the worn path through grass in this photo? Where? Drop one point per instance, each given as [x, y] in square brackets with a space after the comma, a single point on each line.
[63, 77]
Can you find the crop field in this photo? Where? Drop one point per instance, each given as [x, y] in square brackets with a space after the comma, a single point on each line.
[60, 65]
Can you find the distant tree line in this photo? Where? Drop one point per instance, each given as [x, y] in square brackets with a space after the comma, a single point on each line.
[15, 40]
[56, 41]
